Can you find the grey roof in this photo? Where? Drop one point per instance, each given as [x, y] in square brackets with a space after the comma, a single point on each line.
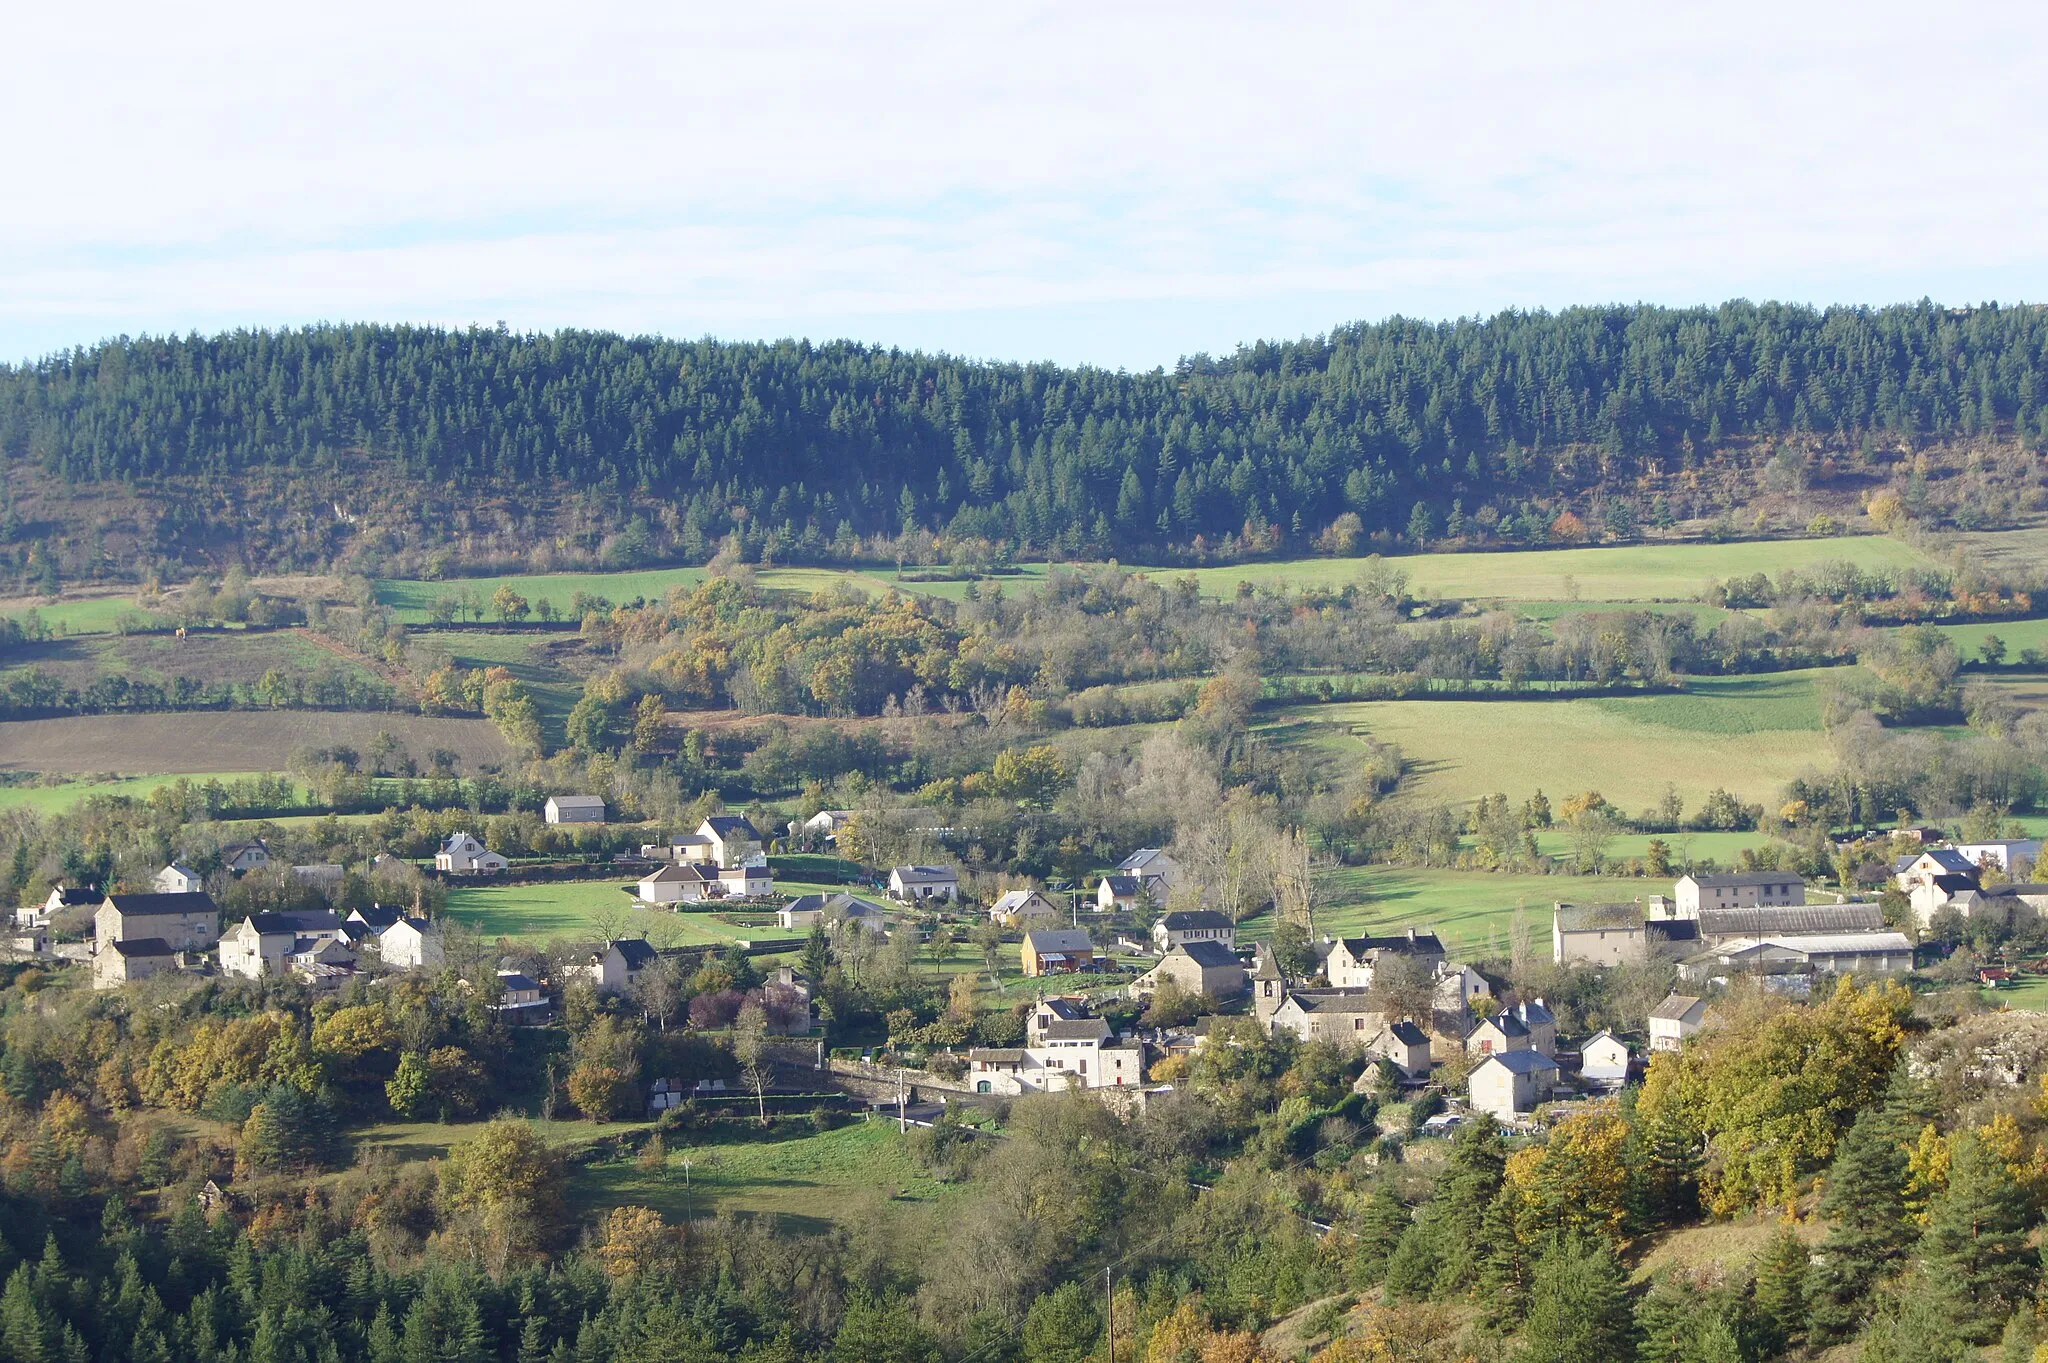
[638, 952]
[924, 875]
[1602, 1034]
[2030, 891]
[1672, 929]
[1013, 900]
[1401, 943]
[998, 1055]
[1519, 1062]
[1733, 879]
[1408, 1034]
[679, 872]
[1508, 1023]
[731, 826]
[1051, 941]
[1335, 1001]
[1140, 859]
[73, 896]
[514, 979]
[1765, 922]
[1677, 1007]
[1268, 963]
[377, 916]
[1123, 887]
[1534, 1012]
[1955, 884]
[578, 801]
[838, 901]
[1208, 955]
[1186, 920]
[294, 924]
[1946, 857]
[1587, 917]
[146, 905]
[141, 946]
[1080, 1029]
[1829, 943]
[1069, 1009]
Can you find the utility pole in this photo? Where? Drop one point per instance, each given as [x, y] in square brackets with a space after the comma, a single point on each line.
[902, 1104]
[1109, 1313]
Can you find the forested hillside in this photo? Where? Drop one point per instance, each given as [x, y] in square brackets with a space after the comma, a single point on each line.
[1466, 429]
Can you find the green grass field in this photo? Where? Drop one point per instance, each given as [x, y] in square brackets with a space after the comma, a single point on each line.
[577, 908]
[1473, 911]
[2018, 634]
[54, 799]
[1633, 572]
[2029, 995]
[78, 614]
[1747, 734]
[411, 599]
[856, 1173]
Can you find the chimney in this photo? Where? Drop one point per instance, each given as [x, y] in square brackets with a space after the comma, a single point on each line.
[1411, 934]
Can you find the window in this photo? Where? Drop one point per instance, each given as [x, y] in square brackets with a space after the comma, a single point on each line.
[984, 1087]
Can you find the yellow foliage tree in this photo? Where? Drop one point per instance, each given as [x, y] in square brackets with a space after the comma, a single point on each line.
[1577, 1182]
[634, 1240]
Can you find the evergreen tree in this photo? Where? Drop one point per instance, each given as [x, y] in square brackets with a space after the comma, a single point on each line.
[1869, 1231]
[1061, 1326]
[1504, 1280]
[1466, 1192]
[1781, 1290]
[1975, 1254]
[1381, 1224]
[1578, 1307]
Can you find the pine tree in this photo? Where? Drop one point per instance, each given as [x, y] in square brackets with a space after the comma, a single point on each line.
[1868, 1230]
[1781, 1289]
[1466, 1191]
[1504, 1279]
[1381, 1224]
[1975, 1251]
[1578, 1307]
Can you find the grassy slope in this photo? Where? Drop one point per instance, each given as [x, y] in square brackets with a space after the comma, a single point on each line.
[411, 598]
[55, 798]
[228, 740]
[1748, 734]
[573, 908]
[1473, 911]
[1636, 572]
[856, 1173]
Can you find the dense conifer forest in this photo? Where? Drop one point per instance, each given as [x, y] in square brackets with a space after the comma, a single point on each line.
[1417, 428]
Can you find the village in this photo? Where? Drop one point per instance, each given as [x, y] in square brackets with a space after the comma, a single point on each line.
[1128, 977]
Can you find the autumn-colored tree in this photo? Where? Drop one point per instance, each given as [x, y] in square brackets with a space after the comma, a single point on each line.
[1568, 528]
[1576, 1182]
[635, 1240]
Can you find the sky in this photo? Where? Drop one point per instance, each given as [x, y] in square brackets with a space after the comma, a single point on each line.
[1113, 184]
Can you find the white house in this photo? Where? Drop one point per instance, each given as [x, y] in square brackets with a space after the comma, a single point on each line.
[1193, 925]
[465, 853]
[1347, 1018]
[800, 913]
[264, 943]
[1924, 867]
[411, 944]
[908, 883]
[1156, 873]
[1198, 967]
[178, 878]
[187, 922]
[2001, 854]
[673, 884]
[1509, 1083]
[616, 967]
[1603, 1060]
[750, 881]
[521, 1000]
[1738, 890]
[574, 809]
[1457, 985]
[363, 928]
[1064, 1047]
[245, 856]
[826, 823]
[60, 897]
[1349, 962]
[1024, 909]
[733, 841]
[1675, 1019]
[1117, 894]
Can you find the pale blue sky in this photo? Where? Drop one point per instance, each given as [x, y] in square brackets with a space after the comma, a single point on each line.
[1116, 184]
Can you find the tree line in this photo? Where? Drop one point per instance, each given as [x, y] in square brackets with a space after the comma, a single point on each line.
[1410, 426]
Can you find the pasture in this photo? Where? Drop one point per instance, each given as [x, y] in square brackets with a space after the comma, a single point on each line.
[2017, 634]
[86, 614]
[1748, 735]
[214, 657]
[861, 1173]
[412, 599]
[228, 740]
[582, 908]
[1473, 911]
[1631, 572]
[59, 796]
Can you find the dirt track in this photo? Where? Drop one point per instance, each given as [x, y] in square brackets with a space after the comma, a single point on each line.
[222, 741]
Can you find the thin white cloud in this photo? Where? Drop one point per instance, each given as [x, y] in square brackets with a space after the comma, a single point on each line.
[1115, 183]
